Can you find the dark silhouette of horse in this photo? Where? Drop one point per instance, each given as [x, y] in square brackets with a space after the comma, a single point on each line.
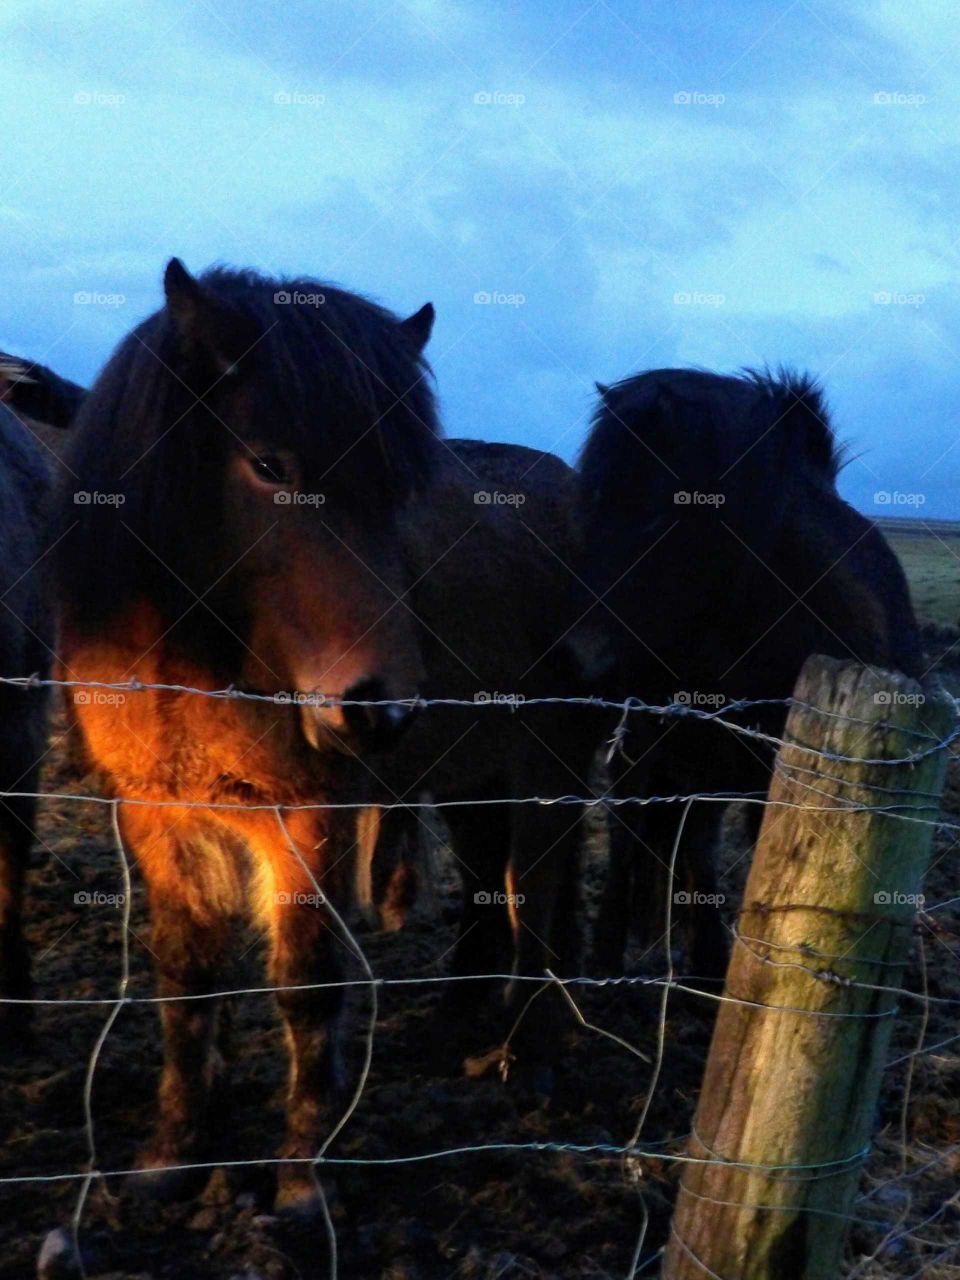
[395, 863]
[36, 392]
[720, 556]
[265, 500]
[393, 854]
[26, 634]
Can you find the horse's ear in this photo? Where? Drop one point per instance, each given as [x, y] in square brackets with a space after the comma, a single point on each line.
[38, 392]
[214, 335]
[13, 373]
[602, 390]
[418, 327]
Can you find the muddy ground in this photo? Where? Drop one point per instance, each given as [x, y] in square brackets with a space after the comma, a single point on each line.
[484, 1215]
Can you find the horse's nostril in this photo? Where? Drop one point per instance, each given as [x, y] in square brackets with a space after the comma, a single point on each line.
[377, 727]
[398, 716]
[370, 689]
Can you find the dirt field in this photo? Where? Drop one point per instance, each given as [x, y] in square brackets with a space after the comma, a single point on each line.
[484, 1215]
[476, 1216]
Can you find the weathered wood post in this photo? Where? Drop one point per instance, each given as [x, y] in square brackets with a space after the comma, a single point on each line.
[793, 1076]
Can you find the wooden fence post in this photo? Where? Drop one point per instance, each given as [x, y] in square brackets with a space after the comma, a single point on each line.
[789, 1097]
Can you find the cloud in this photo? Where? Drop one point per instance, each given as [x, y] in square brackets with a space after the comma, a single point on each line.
[434, 149]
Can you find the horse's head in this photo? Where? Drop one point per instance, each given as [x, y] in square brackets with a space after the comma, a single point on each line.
[265, 438]
[36, 392]
[687, 480]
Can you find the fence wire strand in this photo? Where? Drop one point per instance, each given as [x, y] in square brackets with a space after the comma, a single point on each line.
[633, 1153]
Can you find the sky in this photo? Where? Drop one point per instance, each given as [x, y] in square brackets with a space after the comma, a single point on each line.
[584, 190]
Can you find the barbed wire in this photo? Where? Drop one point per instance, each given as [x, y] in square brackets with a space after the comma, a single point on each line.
[630, 1154]
[516, 702]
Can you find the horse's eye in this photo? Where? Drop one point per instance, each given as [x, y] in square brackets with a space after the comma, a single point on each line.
[273, 467]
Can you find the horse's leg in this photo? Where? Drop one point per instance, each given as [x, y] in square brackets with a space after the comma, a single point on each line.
[696, 907]
[398, 879]
[566, 919]
[637, 880]
[191, 898]
[306, 947]
[752, 821]
[16, 834]
[17, 823]
[554, 759]
[542, 890]
[654, 888]
[369, 827]
[480, 842]
[626, 825]
[391, 865]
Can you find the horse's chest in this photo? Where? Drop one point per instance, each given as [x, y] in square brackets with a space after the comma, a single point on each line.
[152, 749]
[159, 743]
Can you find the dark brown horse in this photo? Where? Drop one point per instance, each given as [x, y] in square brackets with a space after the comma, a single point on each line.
[26, 635]
[720, 556]
[394, 847]
[266, 501]
[38, 394]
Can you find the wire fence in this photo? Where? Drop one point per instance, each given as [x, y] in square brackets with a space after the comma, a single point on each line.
[884, 1208]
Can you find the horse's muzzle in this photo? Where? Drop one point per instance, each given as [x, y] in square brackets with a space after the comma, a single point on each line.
[375, 725]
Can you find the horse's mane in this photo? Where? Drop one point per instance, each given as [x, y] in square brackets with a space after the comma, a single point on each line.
[758, 418]
[334, 379]
[799, 400]
[23, 474]
[39, 393]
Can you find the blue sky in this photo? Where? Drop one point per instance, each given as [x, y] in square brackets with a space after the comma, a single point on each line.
[796, 203]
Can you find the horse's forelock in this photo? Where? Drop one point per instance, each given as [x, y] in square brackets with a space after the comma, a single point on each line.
[336, 382]
[351, 388]
[760, 422]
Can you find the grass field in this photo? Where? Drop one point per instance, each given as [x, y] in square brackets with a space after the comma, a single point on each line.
[931, 560]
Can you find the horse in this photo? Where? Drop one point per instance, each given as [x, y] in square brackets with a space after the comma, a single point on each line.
[265, 503]
[718, 555]
[394, 852]
[35, 392]
[26, 637]
[395, 863]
